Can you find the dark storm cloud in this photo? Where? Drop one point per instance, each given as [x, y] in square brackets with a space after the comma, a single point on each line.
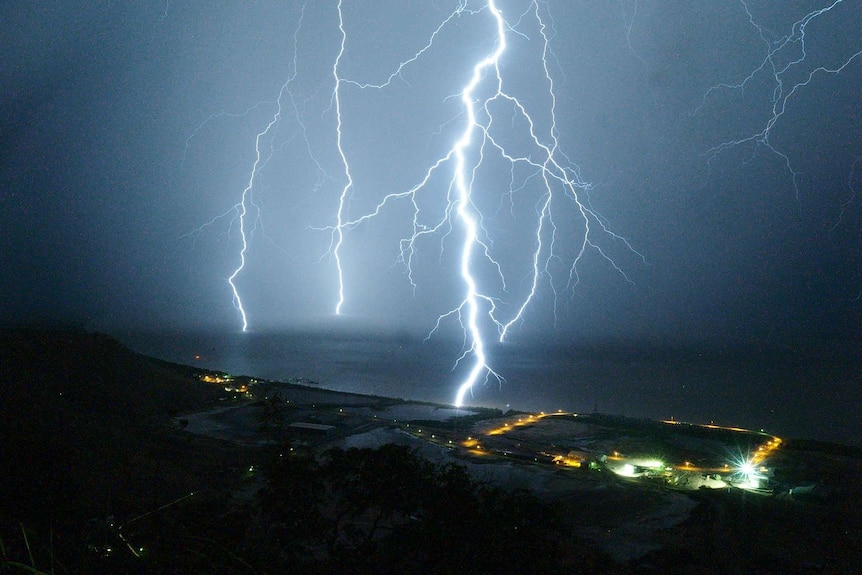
[125, 128]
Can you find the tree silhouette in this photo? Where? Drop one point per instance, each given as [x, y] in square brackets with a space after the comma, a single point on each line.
[388, 510]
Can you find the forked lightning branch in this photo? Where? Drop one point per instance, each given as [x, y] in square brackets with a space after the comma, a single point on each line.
[489, 110]
[504, 147]
[496, 125]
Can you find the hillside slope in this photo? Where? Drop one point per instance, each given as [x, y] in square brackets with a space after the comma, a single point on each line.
[84, 428]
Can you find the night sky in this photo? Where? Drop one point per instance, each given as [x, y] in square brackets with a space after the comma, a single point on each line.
[125, 127]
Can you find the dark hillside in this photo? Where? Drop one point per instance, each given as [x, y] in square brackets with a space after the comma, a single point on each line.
[97, 475]
[85, 433]
[93, 373]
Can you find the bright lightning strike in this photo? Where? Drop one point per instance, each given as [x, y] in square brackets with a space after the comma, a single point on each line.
[464, 187]
[338, 233]
[488, 105]
[502, 165]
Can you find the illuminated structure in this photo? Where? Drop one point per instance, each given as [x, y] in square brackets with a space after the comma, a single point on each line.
[746, 471]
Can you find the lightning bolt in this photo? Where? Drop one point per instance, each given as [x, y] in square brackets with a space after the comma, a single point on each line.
[785, 59]
[497, 124]
[791, 64]
[485, 103]
[472, 297]
[338, 233]
[240, 213]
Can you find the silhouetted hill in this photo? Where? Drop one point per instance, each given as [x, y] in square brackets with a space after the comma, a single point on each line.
[52, 370]
[84, 426]
[90, 461]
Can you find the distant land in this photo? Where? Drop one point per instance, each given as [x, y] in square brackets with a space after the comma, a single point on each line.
[810, 388]
[115, 462]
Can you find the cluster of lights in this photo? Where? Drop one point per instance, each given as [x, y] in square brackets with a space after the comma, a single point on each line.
[214, 378]
[635, 468]
[751, 476]
[749, 471]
